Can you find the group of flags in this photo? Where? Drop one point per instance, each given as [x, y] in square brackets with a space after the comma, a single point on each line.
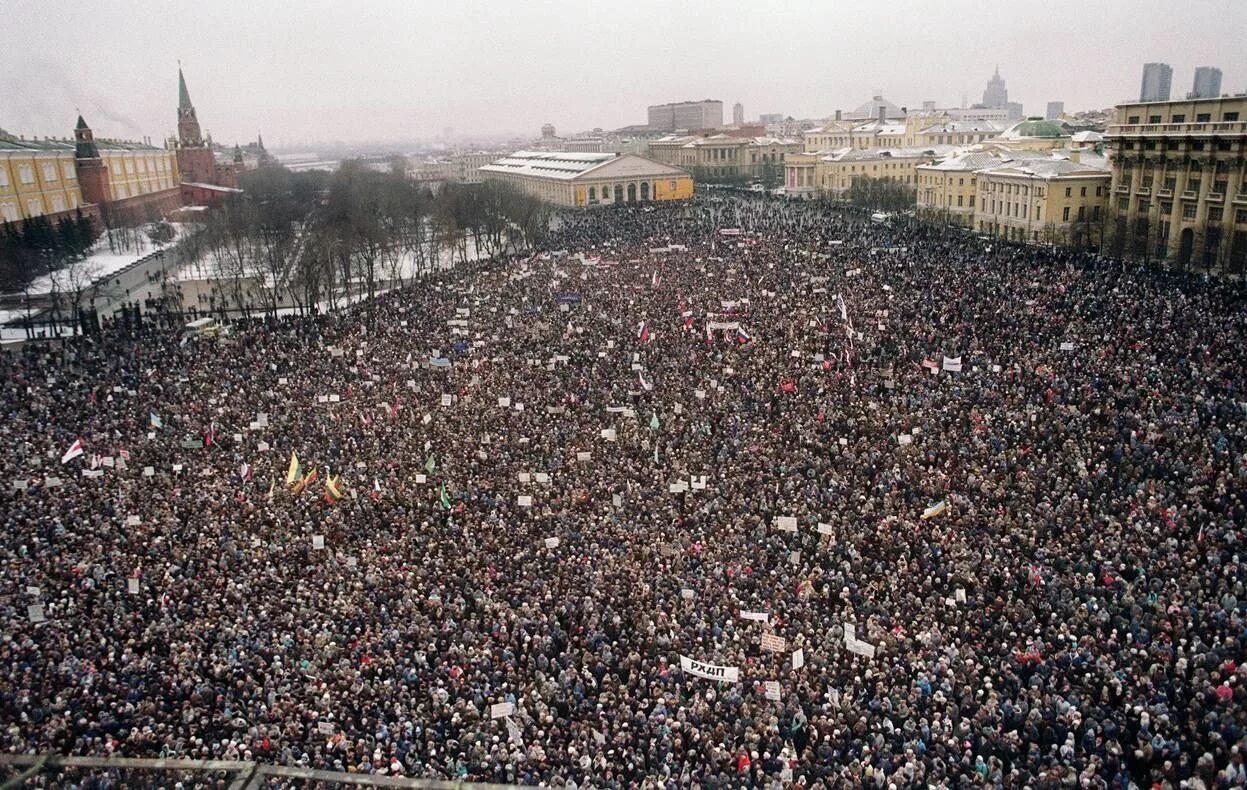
[298, 482]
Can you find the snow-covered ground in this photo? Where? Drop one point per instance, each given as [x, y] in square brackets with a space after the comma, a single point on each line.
[101, 263]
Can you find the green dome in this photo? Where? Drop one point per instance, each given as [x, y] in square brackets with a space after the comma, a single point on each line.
[1037, 128]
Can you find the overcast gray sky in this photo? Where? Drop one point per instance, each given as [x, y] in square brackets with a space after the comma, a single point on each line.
[377, 70]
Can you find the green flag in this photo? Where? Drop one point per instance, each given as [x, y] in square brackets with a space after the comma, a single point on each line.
[655, 454]
[445, 496]
[653, 422]
[430, 465]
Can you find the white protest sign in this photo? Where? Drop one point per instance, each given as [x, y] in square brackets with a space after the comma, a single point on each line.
[698, 482]
[542, 477]
[583, 456]
[608, 434]
[772, 690]
[687, 594]
[709, 671]
[552, 543]
[335, 398]
[35, 612]
[132, 585]
[325, 728]
[904, 439]
[133, 521]
[773, 643]
[794, 557]
[960, 595]
[761, 617]
[524, 477]
[861, 648]
[616, 500]
[504, 402]
[824, 529]
[786, 523]
[500, 709]
[283, 381]
[1067, 346]
[318, 541]
[446, 399]
[524, 500]
[850, 633]
[798, 658]
[422, 478]
[51, 482]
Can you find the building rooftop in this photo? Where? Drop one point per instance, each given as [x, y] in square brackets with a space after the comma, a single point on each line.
[1036, 127]
[870, 109]
[1048, 168]
[867, 155]
[548, 164]
[62, 144]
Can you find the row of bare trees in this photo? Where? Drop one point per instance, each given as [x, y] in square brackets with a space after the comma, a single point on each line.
[305, 239]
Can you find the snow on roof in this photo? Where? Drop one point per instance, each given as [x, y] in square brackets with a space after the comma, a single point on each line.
[865, 155]
[1048, 168]
[210, 187]
[563, 165]
[1088, 136]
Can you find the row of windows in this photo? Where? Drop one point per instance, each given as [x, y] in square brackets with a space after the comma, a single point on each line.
[1190, 210]
[26, 173]
[35, 207]
[1176, 145]
[1202, 117]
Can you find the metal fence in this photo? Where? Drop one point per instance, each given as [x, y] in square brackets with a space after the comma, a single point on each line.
[54, 771]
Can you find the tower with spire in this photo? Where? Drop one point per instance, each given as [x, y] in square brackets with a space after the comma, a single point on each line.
[188, 124]
[196, 159]
[996, 96]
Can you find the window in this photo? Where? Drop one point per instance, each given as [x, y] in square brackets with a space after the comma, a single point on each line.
[4, 177]
[34, 207]
[959, 199]
[1166, 207]
[1132, 119]
[1153, 119]
[1188, 211]
[49, 171]
[1170, 183]
[1065, 215]
[1123, 204]
[1095, 212]
[58, 203]
[1147, 184]
[26, 174]
[1097, 191]
[1084, 189]
[1082, 213]
[1230, 116]
[1144, 207]
[1219, 187]
[1240, 216]
[116, 167]
[1067, 190]
[67, 169]
[1178, 118]
[1203, 117]
[1192, 185]
[1214, 214]
[8, 211]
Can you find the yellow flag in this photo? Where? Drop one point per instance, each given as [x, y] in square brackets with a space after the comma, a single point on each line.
[293, 474]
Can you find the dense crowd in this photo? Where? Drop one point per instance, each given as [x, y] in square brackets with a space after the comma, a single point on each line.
[1017, 475]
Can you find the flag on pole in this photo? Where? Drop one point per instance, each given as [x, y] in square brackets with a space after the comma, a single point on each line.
[244, 472]
[272, 484]
[155, 420]
[430, 466]
[642, 332]
[653, 422]
[304, 483]
[742, 337]
[332, 492]
[645, 385]
[445, 498]
[73, 452]
[295, 472]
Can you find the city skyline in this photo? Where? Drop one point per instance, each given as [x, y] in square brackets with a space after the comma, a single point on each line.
[322, 72]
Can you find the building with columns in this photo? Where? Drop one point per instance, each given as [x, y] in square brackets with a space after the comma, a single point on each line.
[581, 179]
[1179, 189]
[832, 173]
[37, 178]
[1043, 201]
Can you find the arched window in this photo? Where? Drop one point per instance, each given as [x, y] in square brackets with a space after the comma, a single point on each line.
[644, 190]
[593, 194]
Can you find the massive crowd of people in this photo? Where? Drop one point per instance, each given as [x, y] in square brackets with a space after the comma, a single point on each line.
[984, 505]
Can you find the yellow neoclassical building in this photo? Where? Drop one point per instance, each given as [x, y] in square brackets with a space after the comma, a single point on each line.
[832, 173]
[915, 130]
[1044, 201]
[722, 157]
[37, 178]
[948, 189]
[583, 179]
